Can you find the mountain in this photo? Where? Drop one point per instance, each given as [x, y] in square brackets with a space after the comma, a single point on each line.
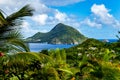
[60, 34]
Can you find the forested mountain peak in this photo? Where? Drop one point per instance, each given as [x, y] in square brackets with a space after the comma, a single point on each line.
[60, 34]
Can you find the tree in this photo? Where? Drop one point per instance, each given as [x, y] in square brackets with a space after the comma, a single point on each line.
[10, 37]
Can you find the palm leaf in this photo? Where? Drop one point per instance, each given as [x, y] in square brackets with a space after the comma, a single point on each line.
[23, 59]
[14, 38]
[14, 19]
[65, 70]
[8, 33]
[2, 18]
[20, 45]
[52, 71]
[39, 56]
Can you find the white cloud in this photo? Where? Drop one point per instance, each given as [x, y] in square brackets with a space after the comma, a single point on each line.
[52, 16]
[60, 16]
[91, 23]
[60, 2]
[43, 15]
[10, 6]
[44, 31]
[8, 2]
[117, 23]
[41, 19]
[102, 15]
[27, 30]
[25, 25]
[99, 10]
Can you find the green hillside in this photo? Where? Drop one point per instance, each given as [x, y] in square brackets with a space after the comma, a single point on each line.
[60, 34]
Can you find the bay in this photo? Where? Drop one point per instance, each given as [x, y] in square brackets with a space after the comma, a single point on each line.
[36, 47]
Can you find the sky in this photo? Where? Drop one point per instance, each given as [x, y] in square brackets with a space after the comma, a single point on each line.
[98, 19]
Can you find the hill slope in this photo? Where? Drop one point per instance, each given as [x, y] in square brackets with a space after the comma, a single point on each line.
[60, 34]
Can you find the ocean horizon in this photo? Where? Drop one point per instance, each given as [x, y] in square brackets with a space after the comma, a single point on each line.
[108, 40]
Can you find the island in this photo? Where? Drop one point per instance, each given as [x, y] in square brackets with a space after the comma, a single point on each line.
[60, 34]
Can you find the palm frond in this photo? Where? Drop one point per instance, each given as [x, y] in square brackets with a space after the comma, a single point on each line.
[20, 45]
[65, 70]
[15, 18]
[52, 71]
[11, 35]
[39, 56]
[14, 42]
[15, 35]
[26, 58]
[8, 32]
[22, 59]
[2, 18]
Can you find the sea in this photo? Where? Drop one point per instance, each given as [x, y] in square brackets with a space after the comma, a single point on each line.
[37, 47]
[109, 40]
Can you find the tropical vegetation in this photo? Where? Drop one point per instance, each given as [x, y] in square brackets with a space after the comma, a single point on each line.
[10, 37]
[90, 60]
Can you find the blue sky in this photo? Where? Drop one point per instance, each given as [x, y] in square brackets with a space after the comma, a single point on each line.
[98, 19]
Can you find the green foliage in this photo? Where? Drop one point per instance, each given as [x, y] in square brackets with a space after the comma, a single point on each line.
[88, 61]
[92, 58]
[10, 37]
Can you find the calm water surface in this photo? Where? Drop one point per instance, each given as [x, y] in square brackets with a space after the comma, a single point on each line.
[36, 47]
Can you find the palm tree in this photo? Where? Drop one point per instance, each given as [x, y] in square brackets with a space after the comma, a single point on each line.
[10, 37]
